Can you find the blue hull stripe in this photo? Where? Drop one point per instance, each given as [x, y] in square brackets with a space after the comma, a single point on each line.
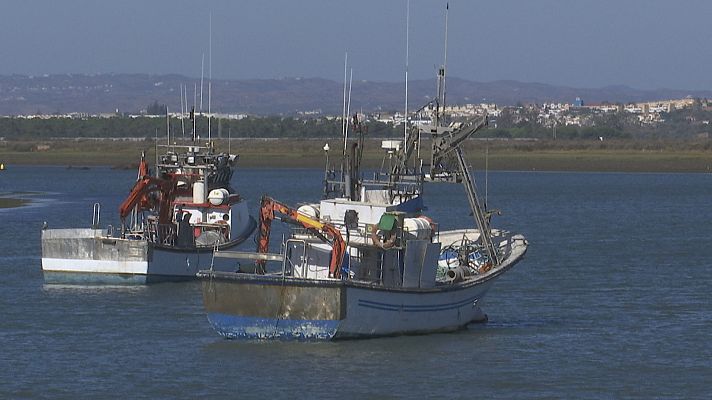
[236, 327]
[416, 308]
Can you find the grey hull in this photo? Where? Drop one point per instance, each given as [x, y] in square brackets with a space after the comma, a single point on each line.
[88, 256]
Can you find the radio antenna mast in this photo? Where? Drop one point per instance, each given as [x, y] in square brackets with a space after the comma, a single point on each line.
[407, 42]
[210, 71]
[343, 112]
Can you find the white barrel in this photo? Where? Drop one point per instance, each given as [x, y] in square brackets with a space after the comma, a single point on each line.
[218, 197]
[309, 210]
[199, 192]
[417, 228]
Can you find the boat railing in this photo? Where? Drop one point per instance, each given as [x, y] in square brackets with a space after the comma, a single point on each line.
[288, 264]
[96, 216]
[505, 246]
[221, 228]
[166, 234]
[361, 232]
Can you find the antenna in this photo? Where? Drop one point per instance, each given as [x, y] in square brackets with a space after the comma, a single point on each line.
[407, 42]
[343, 113]
[447, 10]
[168, 127]
[155, 149]
[202, 69]
[440, 103]
[210, 70]
[486, 171]
[195, 100]
[182, 112]
[348, 107]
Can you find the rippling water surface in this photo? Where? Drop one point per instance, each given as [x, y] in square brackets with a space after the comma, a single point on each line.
[611, 301]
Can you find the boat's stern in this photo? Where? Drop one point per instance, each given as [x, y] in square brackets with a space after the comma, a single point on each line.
[87, 251]
[251, 306]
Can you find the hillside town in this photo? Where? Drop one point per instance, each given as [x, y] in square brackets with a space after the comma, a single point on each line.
[576, 113]
[673, 118]
[550, 114]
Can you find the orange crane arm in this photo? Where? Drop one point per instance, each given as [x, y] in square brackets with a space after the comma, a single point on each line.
[267, 211]
[140, 191]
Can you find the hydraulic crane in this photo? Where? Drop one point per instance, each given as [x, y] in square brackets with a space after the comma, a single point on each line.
[271, 206]
[140, 194]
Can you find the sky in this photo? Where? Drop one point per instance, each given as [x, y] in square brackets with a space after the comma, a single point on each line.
[645, 44]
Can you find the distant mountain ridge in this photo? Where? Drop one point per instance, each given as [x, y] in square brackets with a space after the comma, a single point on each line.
[104, 93]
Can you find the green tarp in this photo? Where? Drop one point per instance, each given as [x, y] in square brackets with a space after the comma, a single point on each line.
[387, 222]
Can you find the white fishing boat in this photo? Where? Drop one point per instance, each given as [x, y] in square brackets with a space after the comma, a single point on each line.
[171, 222]
[366, 261]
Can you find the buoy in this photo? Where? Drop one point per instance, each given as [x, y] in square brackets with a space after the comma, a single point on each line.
[218, 197]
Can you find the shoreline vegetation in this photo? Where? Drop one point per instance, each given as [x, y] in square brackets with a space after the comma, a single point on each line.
[620, 155]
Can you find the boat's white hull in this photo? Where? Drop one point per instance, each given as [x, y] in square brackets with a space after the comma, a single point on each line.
[162, 264]
[94, 266]
[81, 255]
[390, 313]
[350, 311]
[274, 307]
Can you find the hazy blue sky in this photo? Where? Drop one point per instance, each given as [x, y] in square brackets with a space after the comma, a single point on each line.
[644, 44]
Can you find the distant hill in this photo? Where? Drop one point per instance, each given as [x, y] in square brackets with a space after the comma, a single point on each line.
[103, 93]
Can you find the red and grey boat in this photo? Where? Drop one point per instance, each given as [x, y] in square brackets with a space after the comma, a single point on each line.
[171, 221]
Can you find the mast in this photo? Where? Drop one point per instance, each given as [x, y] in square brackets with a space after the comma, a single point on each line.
[447, 10]
[168, 127]
[210, 71]
[407, 43]
[195, 100]
[155, 149]
[486, 173]
[182, 112]
[348, 107]
[348, 159]
[202, 70]
[440, 103]
[343, 112]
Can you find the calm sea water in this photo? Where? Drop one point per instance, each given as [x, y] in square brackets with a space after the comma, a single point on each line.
[612, 301]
